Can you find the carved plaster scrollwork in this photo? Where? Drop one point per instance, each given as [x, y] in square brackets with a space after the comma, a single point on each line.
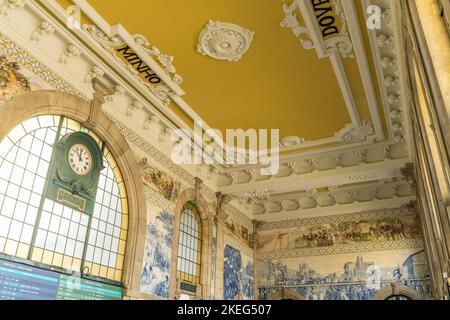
[162, 93]
[136, 105]
[42, 29]
[224, 41]
[290, 21]
[7, 5]
[383, 40]
[342, 43]
[72, 51]
[292, 141]
[95, 72]
[164, 59]
[153, 119]
[353, 133]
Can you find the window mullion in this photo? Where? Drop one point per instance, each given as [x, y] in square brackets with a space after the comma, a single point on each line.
[41, 205]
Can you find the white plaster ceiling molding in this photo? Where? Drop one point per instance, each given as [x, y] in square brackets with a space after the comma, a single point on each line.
[352, 133]
[224, 41]
[310, 35]
[292, 141]
[8, 5]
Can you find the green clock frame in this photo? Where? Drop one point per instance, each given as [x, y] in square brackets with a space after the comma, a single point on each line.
[67, 187]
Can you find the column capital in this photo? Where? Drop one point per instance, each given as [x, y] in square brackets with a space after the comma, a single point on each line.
[101, 91]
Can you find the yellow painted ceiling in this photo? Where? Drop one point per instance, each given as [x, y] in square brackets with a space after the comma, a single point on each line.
[277, 84]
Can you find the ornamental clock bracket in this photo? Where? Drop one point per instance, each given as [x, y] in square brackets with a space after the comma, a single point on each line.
[75, 171]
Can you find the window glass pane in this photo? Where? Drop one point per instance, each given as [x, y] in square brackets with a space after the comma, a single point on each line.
[25, 155]
[188, 261]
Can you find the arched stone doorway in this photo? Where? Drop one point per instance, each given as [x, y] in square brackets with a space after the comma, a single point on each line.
[397, 291]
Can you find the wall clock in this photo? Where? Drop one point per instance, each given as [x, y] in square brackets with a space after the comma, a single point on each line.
[80, 159]
[74, 172]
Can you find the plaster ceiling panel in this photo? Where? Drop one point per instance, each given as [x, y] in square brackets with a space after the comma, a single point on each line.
[277, 84]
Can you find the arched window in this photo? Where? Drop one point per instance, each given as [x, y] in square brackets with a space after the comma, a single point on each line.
[397, 291]
[398, 297]
[189, 245]
[35, 228]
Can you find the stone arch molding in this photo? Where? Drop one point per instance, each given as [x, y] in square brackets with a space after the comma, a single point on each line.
[395, 289]
[89, 114]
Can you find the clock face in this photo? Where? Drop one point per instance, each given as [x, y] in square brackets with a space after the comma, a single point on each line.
[80, 159]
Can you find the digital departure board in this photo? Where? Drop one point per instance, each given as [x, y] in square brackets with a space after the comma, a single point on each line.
[20, 282]
[23, 282]
[71, 288]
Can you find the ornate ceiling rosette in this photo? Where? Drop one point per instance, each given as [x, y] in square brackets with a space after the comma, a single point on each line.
[224, 41]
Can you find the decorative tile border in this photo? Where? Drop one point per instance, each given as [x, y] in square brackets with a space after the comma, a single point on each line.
[336, 250]
[373, 215]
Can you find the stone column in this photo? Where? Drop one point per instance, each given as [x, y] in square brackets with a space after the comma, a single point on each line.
[256, 225]
[219, 220]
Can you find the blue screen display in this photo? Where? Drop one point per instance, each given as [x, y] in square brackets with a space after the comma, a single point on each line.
[23, 282]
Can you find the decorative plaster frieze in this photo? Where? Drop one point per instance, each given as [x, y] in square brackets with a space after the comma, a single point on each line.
[25, 60]
[72, 51]
[43, 28]
[384, 40]
[224, 41]
[7, 5]
[136, 105]
[388, 50]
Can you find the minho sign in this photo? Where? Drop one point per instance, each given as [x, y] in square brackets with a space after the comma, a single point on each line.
[133, 59]
[325, 17]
